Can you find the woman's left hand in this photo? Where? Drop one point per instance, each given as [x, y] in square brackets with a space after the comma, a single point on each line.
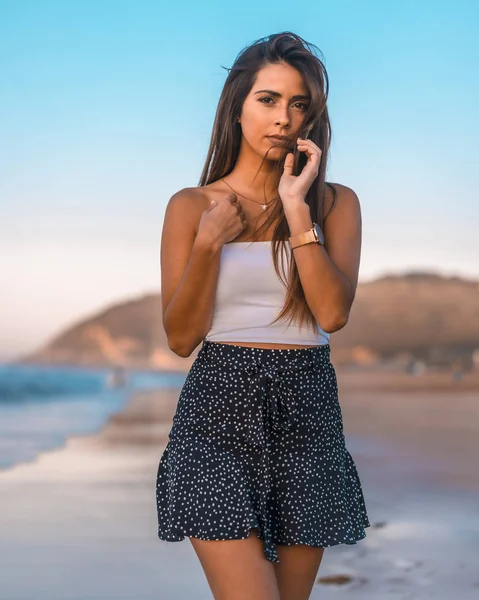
[293, 188]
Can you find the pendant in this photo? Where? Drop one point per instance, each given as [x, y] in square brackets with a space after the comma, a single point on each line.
[264, 206]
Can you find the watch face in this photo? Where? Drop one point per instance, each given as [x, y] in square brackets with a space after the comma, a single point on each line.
[319, 233]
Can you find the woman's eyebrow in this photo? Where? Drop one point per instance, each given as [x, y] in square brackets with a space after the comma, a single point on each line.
[278, 95]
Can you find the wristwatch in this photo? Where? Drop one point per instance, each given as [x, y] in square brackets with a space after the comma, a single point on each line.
[312, 235]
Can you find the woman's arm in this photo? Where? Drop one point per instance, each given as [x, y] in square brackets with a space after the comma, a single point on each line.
[329, 274]
[189, 273]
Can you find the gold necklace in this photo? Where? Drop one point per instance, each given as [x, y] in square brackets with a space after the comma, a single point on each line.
[265, 206]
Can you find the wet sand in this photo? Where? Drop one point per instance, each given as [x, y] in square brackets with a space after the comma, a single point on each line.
[80, 522]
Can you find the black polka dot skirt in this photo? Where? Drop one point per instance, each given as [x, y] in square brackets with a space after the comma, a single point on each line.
[257, 441]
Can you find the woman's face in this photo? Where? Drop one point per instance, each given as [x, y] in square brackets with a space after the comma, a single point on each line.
[276, 105]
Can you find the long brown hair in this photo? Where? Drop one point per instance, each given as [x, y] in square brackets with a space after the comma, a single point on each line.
[225, 143]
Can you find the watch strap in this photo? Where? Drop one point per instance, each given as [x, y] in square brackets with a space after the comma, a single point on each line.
[307, 237]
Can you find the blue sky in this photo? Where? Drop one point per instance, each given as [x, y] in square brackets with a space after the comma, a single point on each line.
[107, 109]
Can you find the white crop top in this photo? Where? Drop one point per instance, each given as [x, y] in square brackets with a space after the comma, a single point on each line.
[250, 295]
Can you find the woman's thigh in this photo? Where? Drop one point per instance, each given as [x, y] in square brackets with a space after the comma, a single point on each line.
[297, 571]
[237, 569]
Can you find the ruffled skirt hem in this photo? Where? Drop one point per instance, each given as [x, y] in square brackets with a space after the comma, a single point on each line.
[315, 542]
[175, 524]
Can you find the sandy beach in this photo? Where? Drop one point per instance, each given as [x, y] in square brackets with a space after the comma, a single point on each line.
[80, 521]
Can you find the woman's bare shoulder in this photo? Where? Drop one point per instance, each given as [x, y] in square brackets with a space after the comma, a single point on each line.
[333, 194]
[197, 198]
[189, 203]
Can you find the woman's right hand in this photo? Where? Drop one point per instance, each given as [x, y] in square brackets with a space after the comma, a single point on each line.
[223, 220]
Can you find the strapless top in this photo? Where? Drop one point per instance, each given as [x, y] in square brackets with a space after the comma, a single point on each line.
[250, 295]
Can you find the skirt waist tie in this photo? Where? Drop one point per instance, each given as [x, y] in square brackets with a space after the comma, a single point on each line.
[277, 411]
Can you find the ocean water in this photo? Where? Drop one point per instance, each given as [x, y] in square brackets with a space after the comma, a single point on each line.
[40, 406]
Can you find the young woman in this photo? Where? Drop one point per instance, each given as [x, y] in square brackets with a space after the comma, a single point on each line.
[256, 472]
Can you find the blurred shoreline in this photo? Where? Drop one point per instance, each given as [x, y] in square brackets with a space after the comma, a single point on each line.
[414, 440]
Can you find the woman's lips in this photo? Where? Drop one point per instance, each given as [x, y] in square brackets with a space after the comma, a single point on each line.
[282, 141]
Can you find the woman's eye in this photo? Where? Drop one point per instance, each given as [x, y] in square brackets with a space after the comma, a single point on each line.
[301, 104]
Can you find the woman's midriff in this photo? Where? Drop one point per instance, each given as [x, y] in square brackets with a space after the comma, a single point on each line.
[261, 345]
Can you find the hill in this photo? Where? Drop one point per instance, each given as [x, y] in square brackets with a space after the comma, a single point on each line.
[412, 316]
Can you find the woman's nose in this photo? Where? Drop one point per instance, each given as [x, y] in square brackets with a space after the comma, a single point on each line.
[282, 118]
[282, 122]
